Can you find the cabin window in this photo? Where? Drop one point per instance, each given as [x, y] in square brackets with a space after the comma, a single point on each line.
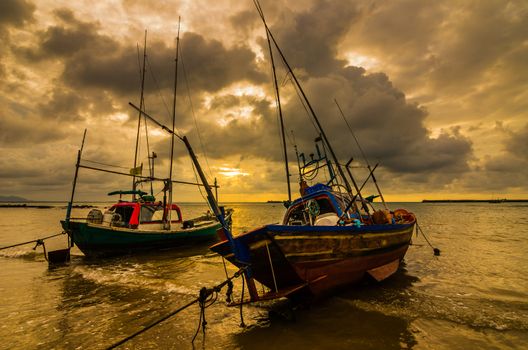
[157, 215]
[300, 215]
[147, 212]
[125, 212]
[325, 206]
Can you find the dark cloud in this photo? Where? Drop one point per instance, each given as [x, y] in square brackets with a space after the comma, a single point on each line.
[19, 126]
[245, 21]
[71, 70]
[307, 38]
[508, 170]
[391, 130]
[64, 104]
[15, 12]
[518, 143]
[486, 34]
[95, 61]
[214, 66]
[66, 38]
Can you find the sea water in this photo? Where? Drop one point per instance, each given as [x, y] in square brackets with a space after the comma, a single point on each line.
[474, 295]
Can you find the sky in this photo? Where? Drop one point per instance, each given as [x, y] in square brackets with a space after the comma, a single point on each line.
[436, 92]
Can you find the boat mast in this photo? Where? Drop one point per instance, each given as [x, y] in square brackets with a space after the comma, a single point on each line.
[338, 166]
[240, 252]
[279, 108]
[173, 121]
[141, 101]
[77, 166]
[298, 160]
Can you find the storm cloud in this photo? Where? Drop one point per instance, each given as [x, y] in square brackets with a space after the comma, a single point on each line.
[421, 85]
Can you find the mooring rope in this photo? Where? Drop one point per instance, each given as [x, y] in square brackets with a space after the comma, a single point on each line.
[436, 251]
[206, 298]
[39, 241]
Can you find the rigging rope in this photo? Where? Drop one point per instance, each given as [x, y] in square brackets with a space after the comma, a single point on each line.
[193, 114]
[206, 298]
[39, 241]
[110, 165]
[308, 114]
[160, 95]
[196, 179]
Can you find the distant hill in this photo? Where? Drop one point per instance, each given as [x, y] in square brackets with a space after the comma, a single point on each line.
[13, 199]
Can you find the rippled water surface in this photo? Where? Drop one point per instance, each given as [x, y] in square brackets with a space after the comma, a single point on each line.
[475, 295]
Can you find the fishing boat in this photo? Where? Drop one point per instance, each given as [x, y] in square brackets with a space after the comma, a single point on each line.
[143, 223]
[330, 237]
[139, 225]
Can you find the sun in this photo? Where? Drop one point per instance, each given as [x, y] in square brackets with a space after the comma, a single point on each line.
[232, 172]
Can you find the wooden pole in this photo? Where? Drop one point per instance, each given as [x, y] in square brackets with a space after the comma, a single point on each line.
[70, 203]
[168, 222]
[312, 112]
[141, 102]
[279, 108]
[77, 164]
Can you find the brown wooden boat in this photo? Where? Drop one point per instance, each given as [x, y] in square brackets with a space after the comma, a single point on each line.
[302, 260]
[331, 236]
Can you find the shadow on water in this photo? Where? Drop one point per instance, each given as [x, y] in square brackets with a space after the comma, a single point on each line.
[339, 322]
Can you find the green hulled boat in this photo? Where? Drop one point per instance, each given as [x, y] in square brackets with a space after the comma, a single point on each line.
[132, 226]
[144, 223]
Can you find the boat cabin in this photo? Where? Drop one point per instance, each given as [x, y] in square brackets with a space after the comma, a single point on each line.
[320, 206]
[140, 215]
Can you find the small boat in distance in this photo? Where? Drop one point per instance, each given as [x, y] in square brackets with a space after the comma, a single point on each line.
[498, 200]
[330, 237]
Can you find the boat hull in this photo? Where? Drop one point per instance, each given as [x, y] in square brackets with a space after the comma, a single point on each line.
[99, 240]
[320, 258]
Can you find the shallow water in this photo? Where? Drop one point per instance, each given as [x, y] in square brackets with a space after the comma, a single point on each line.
[475, 295]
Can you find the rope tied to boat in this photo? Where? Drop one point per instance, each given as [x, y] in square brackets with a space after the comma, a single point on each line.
[41, 242]
[38, 241]
[436, 251]
[206, 298]
[229, 291]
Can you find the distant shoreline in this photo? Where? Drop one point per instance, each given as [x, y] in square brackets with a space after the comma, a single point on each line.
[474, 201]
[24, 205]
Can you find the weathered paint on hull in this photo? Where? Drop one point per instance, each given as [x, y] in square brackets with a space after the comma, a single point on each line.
[324, 258]
[98, 240]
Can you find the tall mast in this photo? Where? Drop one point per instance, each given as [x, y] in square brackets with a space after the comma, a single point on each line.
[173, 119]
[240, 252]
[277, 97]
[139, 116]
[338, 166]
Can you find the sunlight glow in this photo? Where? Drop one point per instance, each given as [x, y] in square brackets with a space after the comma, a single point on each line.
[231, 172]
[359, 60]
[119, 117]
